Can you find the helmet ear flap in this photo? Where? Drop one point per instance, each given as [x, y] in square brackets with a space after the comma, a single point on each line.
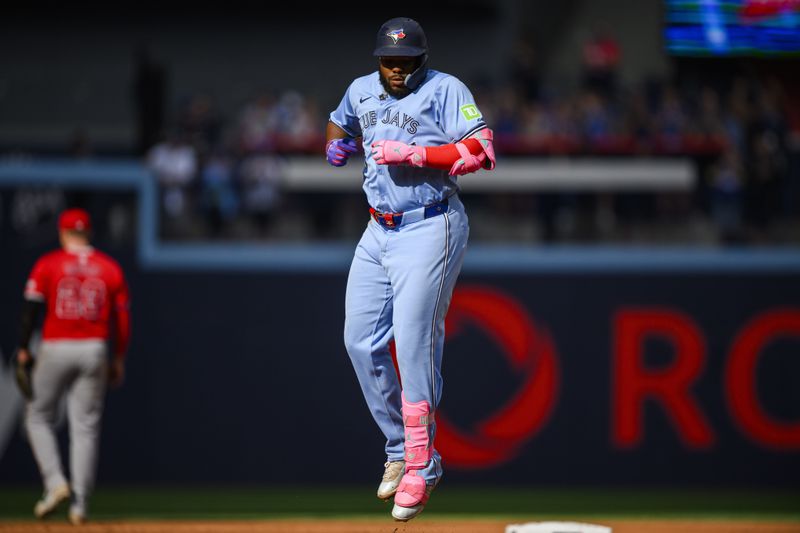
[413, 80]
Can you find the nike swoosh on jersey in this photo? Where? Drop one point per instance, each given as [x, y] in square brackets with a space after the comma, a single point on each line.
[362, 100]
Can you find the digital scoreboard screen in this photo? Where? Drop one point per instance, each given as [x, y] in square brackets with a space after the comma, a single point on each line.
[732, 27]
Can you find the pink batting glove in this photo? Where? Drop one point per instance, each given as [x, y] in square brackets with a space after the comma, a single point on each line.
[398, 153]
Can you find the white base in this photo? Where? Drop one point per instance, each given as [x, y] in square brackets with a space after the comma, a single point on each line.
[556, 527]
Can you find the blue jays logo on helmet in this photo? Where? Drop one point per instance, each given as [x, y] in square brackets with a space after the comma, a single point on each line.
[396, 35]
[400, 37]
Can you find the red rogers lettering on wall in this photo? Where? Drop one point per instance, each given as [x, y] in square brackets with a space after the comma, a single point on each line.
[530, 350]
[740, 380]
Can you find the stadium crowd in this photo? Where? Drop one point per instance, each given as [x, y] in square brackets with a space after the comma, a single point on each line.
[221, 176]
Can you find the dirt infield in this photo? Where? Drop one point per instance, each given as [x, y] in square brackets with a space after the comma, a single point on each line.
[387, 526]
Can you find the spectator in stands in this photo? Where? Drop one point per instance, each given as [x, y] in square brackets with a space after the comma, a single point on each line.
[765, 174]
[201, 124]
[726, 196]
[537, 125]
[601, 58]
[566, 126]
[506, 112]
[295, 123]
[256, 125]
[174, 165]
[219, 198]
[709, 124]
[737, 114]
[637, 120]
[261, 177]
[670, 120]
[768, 159]
[596, 121]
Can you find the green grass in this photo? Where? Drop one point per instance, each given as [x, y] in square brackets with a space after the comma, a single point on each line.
[140, 503]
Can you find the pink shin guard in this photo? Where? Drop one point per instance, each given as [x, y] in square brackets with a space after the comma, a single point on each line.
[418, 453]
[418, 446]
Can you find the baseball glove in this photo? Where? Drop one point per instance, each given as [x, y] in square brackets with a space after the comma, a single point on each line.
[22, 372]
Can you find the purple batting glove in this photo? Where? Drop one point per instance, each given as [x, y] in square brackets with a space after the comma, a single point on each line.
[338, 150]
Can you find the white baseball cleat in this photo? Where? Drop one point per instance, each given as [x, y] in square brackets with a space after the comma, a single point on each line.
[404, 514]
[391, 479]
[77, 513]
[50, 501]
[76, 518]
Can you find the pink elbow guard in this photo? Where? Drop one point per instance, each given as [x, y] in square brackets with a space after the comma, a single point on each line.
[470, 162]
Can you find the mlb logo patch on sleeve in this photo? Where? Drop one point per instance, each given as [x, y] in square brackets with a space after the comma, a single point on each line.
[470, 111]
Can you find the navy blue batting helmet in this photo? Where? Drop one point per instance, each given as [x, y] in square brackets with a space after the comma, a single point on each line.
[401, 36]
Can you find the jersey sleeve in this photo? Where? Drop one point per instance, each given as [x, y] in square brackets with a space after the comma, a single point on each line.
[459, 117]
[345, 116]
[121, 295]
[121, 311]
[36, 286]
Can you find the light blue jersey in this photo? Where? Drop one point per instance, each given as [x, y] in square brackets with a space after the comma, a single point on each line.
[440, 111]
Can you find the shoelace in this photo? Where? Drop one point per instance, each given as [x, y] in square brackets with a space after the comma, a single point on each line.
[393, 469]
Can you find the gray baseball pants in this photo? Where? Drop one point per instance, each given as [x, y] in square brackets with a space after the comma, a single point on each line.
[77, 370]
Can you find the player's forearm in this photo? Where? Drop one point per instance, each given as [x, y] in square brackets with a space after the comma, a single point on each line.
[334, 132]
[123, 332]
[30, 313]
[340, 146]
[458, 158]
[444, 157]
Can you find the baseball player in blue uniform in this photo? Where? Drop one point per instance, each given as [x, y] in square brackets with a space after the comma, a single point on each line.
[419, 129]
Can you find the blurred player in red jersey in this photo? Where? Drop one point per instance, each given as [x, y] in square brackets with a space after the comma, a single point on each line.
[84, 296]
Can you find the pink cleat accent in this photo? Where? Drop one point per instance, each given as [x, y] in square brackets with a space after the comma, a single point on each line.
[411, 501]
[411, 491]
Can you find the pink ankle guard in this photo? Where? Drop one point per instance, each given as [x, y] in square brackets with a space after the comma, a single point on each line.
[411, 491]
[418, 447]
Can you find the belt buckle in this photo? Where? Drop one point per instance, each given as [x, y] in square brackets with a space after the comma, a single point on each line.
[385, 219]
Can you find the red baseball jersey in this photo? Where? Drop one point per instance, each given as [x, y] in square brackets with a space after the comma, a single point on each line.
[83, 289]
